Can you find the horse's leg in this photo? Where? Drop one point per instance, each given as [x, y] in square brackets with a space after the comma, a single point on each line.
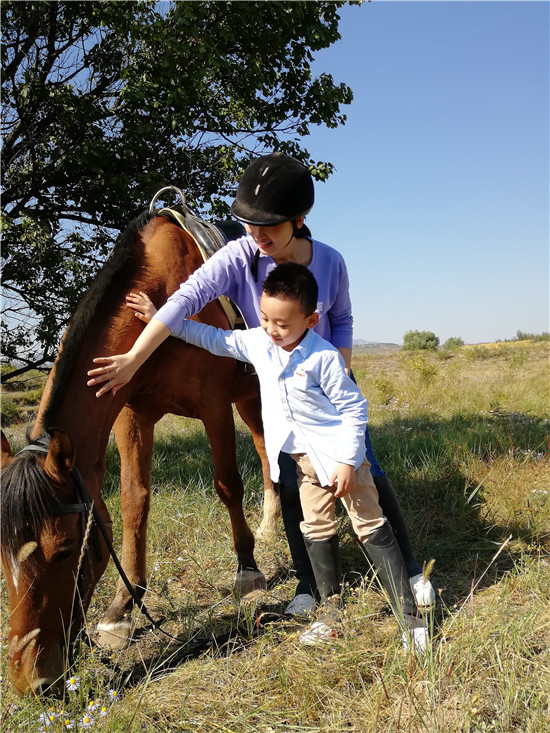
[220, 429]
[134, 437]
[250, 412]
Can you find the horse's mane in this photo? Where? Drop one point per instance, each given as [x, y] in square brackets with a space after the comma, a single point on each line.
[25, 503]
[73, 338]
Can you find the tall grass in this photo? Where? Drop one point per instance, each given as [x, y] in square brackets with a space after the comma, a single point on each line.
[464, 439]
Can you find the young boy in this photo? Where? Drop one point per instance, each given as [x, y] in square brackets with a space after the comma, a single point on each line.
[313, 411]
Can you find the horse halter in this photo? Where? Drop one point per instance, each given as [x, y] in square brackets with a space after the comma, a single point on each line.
[83, 506]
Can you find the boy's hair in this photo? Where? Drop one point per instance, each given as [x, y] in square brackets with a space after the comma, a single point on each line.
[291, 281]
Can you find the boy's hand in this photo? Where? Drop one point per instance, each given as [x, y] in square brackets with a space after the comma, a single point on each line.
[142, 306]
[116, 372]
[345, 477]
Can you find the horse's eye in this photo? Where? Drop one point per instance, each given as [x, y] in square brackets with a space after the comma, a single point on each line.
[64, 554]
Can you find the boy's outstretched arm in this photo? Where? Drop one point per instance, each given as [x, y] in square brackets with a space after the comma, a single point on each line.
[118, 370]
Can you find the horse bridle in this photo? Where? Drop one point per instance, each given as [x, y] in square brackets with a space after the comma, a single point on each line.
[83, 506]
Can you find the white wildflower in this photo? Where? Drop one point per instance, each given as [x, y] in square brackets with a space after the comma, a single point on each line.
[73, 683]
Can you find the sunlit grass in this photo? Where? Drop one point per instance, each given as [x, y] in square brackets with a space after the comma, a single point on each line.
[464, 439]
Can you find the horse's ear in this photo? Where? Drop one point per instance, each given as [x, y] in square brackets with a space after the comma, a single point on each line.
[60, 458]
[6, 455]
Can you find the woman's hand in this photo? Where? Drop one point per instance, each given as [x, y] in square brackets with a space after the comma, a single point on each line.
[142, 306]
[344, 477]
[115, 372]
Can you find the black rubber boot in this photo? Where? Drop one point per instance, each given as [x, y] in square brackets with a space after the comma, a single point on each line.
[325, 560]
[291, 509]
[385, 556]
[391, 508]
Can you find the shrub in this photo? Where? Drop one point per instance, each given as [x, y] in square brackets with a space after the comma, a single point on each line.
[420, 340]
[420, 369]
[9, 411]
[455, 342]
[32, 397]
[521, 336]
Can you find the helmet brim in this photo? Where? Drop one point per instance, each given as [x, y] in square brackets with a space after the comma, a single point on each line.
[261, 219]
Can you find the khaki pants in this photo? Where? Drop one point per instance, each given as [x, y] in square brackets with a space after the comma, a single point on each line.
[318, 503]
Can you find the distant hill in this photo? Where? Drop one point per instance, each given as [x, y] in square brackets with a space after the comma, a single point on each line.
[361, 344]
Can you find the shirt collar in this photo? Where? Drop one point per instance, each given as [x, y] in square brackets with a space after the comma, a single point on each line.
[303, 348]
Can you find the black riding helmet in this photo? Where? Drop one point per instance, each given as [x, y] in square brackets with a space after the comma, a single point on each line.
[273, 189]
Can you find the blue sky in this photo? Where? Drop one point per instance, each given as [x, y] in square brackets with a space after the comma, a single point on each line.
[440, 198]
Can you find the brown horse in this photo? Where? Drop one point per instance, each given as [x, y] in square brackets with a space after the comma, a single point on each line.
[52, 555]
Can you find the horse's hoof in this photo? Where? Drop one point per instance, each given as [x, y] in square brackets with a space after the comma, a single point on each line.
[247, 581]
[114, 635]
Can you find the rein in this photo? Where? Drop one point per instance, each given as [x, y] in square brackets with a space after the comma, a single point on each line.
[84, 505]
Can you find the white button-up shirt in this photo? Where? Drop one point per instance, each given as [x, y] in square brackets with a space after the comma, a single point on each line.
[308, 393]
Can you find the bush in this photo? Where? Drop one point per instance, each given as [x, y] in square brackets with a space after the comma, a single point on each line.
[455, 342]
[420, 341]
[32, 397]
[521, 336]
[9, 411]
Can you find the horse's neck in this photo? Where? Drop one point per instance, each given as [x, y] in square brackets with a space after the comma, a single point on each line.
[76, 411]
[161, 257]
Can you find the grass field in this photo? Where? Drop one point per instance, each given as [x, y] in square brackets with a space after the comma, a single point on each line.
[464, 438]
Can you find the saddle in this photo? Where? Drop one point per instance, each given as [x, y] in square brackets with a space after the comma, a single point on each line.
[208, 237]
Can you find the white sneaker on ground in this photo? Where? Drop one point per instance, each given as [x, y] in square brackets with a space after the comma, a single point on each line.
[317, 633]
[418, 637]
[423, 591]
[301, 605]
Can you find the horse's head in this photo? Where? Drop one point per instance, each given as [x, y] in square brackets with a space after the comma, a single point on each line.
[50, 558]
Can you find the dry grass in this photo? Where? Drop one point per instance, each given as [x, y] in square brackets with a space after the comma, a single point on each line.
[465, 442]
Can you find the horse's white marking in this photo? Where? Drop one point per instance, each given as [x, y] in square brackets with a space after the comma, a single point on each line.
[112, 627]
[14, 571]
[114, 635]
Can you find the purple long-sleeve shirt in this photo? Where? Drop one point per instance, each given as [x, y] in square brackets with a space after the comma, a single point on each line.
[228, 272]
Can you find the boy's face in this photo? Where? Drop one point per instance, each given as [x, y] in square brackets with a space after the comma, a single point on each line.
[284, 321]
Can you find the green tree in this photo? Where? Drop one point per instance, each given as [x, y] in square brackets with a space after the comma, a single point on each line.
[420, 340]
[452, 343]
[104, 103]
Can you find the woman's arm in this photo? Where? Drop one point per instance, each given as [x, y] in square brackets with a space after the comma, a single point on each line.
[346, 356]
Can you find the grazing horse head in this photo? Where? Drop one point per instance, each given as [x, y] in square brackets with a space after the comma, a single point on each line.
[49, 557]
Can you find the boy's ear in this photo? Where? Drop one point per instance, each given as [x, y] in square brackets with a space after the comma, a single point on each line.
[312, 320]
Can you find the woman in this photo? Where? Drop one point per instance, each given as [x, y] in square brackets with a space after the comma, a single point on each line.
[274, 195]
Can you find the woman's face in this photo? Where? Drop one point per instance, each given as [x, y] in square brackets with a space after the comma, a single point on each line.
[274, 240]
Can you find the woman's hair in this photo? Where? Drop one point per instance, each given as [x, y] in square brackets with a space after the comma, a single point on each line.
[291, 281]
[302, 232]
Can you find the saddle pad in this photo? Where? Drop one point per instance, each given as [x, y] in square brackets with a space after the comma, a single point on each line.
[209, 239]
